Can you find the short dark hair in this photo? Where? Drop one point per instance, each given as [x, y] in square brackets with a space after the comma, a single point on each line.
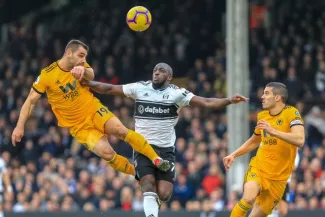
[74, 45]
[280, 89]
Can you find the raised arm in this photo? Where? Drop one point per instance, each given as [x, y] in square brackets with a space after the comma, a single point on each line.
[25, 112]
[104, 88]
[215, 103]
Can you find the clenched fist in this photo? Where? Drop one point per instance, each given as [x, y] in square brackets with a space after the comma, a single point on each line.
[78, 72]
[17, 134]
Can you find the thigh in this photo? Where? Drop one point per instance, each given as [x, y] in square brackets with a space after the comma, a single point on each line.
[88, 135]
[102, 115]
[257, 211]
[165, 189]
[143, 166]
[252, 181]
[266, 203]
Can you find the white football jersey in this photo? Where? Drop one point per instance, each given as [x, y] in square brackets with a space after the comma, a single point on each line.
[156, 111]
[3, 170]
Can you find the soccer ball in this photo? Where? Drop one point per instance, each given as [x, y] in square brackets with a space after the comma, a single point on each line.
[138, 18]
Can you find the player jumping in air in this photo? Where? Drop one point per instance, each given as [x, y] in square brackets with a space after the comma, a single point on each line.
[76, 108]
[157, 103]
[281, 131]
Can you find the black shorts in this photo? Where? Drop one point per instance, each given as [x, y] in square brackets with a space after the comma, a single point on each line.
[286, 193]
[144, 166]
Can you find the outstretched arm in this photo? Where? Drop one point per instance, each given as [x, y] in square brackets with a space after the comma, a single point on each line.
[215, 103]
[104, 88]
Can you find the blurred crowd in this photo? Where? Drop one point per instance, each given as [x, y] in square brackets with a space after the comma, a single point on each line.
[50, 171]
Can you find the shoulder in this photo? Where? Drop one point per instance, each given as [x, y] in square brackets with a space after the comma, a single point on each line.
[144, 83]
[50, 68]
[263, 114]
[291, 110]
[173, 86]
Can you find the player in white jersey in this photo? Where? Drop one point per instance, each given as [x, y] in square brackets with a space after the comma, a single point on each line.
[157, 103]
[4, 179]
[282, 208]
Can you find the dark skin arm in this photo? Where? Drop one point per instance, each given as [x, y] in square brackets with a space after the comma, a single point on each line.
[213, 103]
[216, 103]
[104, 88]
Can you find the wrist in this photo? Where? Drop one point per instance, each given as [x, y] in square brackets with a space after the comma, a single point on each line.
[229, 100]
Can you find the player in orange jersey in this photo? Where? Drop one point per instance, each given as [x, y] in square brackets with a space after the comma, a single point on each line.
[280, 131]
[75, 107]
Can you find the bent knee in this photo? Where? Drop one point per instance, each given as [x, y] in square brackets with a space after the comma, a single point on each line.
[148, 184]
[120, 132]
[165, 196]
[105, 151]
[249, 199]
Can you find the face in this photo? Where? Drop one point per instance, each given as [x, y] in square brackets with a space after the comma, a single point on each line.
[269, 100]
[160, 76]
[77, 58]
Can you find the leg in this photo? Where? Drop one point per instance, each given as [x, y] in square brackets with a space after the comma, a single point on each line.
[252, 188]
[150, 198]
[118, 162]
[145, 173]
[165, 190]
[283, 205]
[283, 208]
[165, 185]
[138, 142]
[257, 212]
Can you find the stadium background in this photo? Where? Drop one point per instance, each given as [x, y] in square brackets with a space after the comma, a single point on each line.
[50, 172]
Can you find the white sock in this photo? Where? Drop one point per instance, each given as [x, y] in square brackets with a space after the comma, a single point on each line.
[150, 204]
[1, 214]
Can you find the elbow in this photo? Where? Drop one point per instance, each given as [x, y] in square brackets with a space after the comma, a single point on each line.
[301, 142]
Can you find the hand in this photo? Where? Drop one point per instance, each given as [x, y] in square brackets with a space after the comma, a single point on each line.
[17, 134]
[227, 161]
[78, 72]
[237, 99]
[265, 126]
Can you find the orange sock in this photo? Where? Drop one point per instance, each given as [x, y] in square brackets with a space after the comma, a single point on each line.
[122, 164]
[140, 144]
[241, 209]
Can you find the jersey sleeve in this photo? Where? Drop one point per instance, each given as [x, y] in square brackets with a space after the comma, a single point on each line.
[86, 65]
[130, 90]
[257, 131]
[184, 97]
[294, 118]
[41, 83]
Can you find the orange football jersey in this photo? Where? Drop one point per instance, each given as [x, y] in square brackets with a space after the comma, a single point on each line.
[70, 102]
[275, 157]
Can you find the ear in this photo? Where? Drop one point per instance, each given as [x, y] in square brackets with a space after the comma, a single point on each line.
[68, 52]
[277, 98]
[170, 77]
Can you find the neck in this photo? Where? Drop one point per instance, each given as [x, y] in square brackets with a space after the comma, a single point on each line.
[64, 65]
[160, 88]
[277, 109]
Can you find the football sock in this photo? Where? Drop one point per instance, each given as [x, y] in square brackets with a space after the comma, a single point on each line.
[122, 164]
[150, 204]
[241, 209]
[140, 144]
